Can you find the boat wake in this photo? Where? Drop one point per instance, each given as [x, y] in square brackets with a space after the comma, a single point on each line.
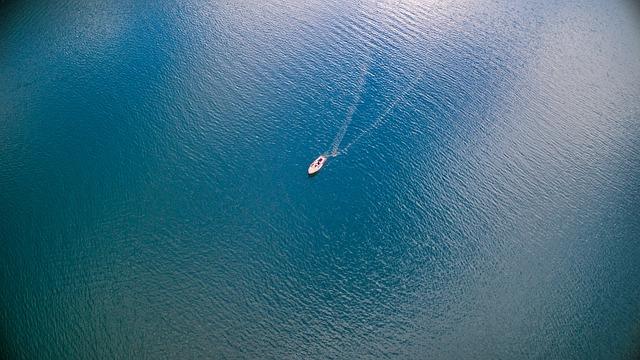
[317, 164]
[383, 117]
[335, 146]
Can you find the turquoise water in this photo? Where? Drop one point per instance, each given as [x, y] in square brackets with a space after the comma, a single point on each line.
[154, 199]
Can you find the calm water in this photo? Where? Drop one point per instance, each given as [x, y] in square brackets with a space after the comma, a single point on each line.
[154, 201]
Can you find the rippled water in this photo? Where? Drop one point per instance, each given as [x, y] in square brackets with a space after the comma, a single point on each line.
[154, 200]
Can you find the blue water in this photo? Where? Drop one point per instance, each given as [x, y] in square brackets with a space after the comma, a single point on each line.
[154, 201]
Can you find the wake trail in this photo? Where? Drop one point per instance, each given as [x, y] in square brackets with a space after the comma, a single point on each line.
[335, 146]
[380, 120]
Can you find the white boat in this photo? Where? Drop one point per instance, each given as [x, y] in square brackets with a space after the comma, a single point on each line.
[316, 165]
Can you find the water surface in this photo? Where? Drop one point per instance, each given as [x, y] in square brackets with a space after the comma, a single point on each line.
[154, 200]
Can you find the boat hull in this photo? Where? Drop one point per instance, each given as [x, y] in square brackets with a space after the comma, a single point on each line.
[316, 165]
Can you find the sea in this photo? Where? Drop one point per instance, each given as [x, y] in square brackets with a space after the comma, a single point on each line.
[481, 197]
